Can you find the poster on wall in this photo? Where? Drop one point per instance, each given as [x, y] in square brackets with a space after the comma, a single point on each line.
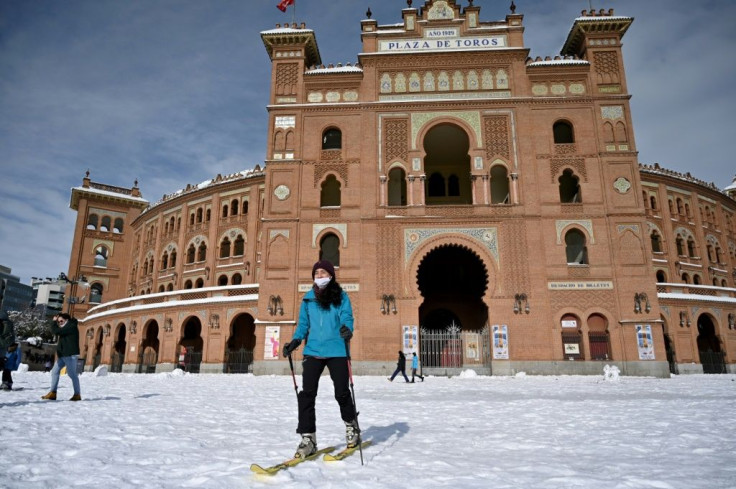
[500, 342]
[271, 345]
[410, 340]
[644, 341]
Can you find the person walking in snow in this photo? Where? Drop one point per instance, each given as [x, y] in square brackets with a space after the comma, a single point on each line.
[67, 352]
[400, 367]
[7, 341]
[325, 324]
[414, 367]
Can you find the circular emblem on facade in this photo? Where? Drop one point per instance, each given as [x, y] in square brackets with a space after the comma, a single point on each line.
[413, 237]
[622, 185]
[281, 192]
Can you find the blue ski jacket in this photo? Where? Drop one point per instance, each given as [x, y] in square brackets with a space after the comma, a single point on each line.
[321, 327]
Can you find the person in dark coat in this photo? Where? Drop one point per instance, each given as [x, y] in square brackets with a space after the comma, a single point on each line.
[67, 353]
[7, 343]
[400, 367]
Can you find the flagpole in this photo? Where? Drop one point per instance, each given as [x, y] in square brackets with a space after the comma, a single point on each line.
[293, 13]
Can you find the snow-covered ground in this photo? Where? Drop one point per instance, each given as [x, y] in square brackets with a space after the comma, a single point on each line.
[179, 431]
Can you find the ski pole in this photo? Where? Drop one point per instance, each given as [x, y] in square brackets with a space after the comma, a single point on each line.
[355, 406]
[293, 377]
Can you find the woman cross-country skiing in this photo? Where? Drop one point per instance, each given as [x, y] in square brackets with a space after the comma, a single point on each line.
[325, 324]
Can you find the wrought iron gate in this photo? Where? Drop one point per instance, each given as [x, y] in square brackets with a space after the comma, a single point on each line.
[147, 361]
[714, 362]
[451, 351]
[239, 361]
[116, 362]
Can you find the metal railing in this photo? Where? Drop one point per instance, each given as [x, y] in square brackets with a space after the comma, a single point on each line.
[239, 361]
[453, 350]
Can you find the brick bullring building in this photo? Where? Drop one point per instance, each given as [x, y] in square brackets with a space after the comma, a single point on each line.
[483, 208]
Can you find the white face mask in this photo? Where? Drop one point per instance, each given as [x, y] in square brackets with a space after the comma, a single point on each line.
[322, 282]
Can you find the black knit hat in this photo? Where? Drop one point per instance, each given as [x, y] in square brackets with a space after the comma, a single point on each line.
[324, 265]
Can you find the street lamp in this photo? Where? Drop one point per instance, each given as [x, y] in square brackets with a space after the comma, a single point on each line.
[74, 281]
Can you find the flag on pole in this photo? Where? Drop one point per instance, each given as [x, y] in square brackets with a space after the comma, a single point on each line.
[283, 4]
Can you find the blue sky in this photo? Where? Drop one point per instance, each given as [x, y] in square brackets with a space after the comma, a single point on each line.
[174, 92]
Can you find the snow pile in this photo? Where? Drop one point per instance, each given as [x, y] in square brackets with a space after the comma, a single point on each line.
[610, 373]
[520, 375]
[101, 371]
[23, 367]
[177, 372]
[467, 374]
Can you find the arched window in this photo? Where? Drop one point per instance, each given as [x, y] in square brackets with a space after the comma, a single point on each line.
[191, 251]
[208, 215]
[396, 187]
[718, 255]
[188, 284]
[453, 186]
[696, 279]
[575, 247]
[101, 256]
[161, 288]
[234, 207]
[715, 281]
[105, 224]
[222, 280]
[672, 207]
[199, 284]
[680, 207]
[569, 188]
[224, 210]
[118, 226]
[165, 261]
[199, 215]
[172, 260]
[711, 253]
[202, 252]
[332, 139]
[563, 133]
[680, 245]
[239, 246]
[330, 194]
[169, 287]
[237, 279]
[499, 185]
[656, 242]
[687, 210]
[191, 219]
[92, 222]
[661, 277]
[436, 186]
[95, 293]
[225, 247]
[685, 278]
[329, 249]
[245, 207]
[653, 202]
[691, 247]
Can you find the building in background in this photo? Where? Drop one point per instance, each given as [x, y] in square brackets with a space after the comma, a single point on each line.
[48, 295]
[484, 209]
[14, 296]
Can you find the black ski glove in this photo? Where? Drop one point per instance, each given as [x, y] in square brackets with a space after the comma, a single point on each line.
[291, 346]
[345, 332]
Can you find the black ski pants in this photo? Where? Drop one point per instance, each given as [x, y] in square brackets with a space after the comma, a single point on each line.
[312, 369]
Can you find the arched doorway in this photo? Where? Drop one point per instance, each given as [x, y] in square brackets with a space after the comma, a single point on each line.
[709, 347]
[191, 345]
[240, 345]
[117, 356]
[447, 166]
[148, 356]
[453, 317]
[669, 347]
[97, 357]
